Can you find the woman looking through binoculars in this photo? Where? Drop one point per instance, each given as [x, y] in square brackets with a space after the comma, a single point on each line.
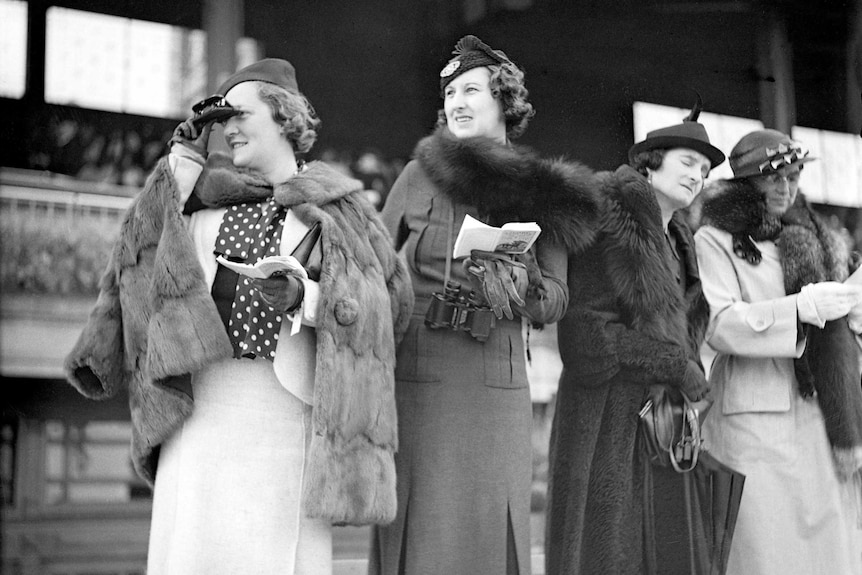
[266, 405]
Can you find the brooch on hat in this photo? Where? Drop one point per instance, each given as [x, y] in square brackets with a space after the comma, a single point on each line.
[450, 68]
[781, 156]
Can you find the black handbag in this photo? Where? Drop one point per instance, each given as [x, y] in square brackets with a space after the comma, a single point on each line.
[307, 252]
[670, 427]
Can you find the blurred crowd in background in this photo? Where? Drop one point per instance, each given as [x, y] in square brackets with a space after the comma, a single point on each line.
[125, 156]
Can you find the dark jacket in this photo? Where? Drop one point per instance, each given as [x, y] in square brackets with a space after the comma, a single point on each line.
[155, 321]
[464, 467]
[628, 325]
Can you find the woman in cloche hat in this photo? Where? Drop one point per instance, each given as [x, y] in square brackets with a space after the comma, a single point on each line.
[786, 377]
[465, 459]
[263, 409]
[636, 317]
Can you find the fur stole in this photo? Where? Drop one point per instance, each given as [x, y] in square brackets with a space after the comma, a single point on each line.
[155, 321]
[512, 183]
[641, 278]
[222, 184]
[810, 252]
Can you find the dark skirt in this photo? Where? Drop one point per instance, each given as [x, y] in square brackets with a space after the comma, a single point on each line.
[464, 462]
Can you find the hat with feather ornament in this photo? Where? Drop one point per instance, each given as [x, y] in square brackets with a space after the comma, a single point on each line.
[690, 134]
[470, 52]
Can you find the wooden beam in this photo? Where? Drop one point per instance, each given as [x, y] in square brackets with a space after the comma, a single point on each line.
[775, 73]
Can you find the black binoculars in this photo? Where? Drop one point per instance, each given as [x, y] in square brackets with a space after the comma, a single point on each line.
[453, 310]
[212, 109]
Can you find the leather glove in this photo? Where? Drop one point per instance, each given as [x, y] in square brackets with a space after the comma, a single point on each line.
[694, 382]
[187, 134]
[826, 301]
[497, 275]
[280, 291]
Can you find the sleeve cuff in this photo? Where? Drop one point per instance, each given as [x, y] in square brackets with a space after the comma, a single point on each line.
[186, 166]
[807, 309]
[307, 312]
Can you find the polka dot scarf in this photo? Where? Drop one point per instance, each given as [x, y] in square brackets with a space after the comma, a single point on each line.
[250, 232]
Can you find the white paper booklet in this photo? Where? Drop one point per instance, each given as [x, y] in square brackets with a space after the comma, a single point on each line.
[511, 238]
[266, 267]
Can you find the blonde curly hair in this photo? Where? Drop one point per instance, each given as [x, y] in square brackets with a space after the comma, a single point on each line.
[293, 111]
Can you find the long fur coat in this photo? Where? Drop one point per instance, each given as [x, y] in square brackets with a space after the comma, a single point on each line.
[155, 322]
[629, 324]
[810, 252]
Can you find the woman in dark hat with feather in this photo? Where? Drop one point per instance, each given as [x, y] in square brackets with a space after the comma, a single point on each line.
[465, 461]
[263, 410]
[788, 410]
[636, 317]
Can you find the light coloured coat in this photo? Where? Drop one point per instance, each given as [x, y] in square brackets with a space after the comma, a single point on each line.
[795, 516]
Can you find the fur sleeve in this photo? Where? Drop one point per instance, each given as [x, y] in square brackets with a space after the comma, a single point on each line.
[607, 347]
[95, 365]
[395, 271]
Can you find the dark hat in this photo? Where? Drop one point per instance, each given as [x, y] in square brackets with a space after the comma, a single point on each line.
[765, 151]
[273, 70]
[690, 134]
[470, 52]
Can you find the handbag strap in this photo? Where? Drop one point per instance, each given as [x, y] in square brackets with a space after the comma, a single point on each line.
[692, 437]
[449, 234]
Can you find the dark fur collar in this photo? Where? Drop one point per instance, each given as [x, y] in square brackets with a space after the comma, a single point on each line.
[737, 207]
[221, 184]
[635, 255]
[512, 183]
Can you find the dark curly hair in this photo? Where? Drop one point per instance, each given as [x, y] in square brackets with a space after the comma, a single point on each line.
[507, 85]
[293, 111]
[648, 160]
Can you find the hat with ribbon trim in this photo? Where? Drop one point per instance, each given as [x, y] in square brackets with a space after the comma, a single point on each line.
[764, 152]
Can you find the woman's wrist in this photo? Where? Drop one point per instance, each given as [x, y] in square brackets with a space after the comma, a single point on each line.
[300, 295]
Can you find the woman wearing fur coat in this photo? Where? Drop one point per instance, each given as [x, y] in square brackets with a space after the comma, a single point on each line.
[788, 411]
[465, 461]
[263, 410]
[636, 318]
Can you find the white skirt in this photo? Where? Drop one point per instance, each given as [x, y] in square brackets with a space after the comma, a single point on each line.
[796, 517]
[228, 489]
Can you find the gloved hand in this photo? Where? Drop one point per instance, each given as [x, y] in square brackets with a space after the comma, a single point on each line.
[825, 301]
[281, 292]
[854, 318]
[694, 382]
[187, 134]
[495, 274]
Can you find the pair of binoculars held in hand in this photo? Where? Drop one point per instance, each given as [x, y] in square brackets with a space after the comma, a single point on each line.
[454, 310]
